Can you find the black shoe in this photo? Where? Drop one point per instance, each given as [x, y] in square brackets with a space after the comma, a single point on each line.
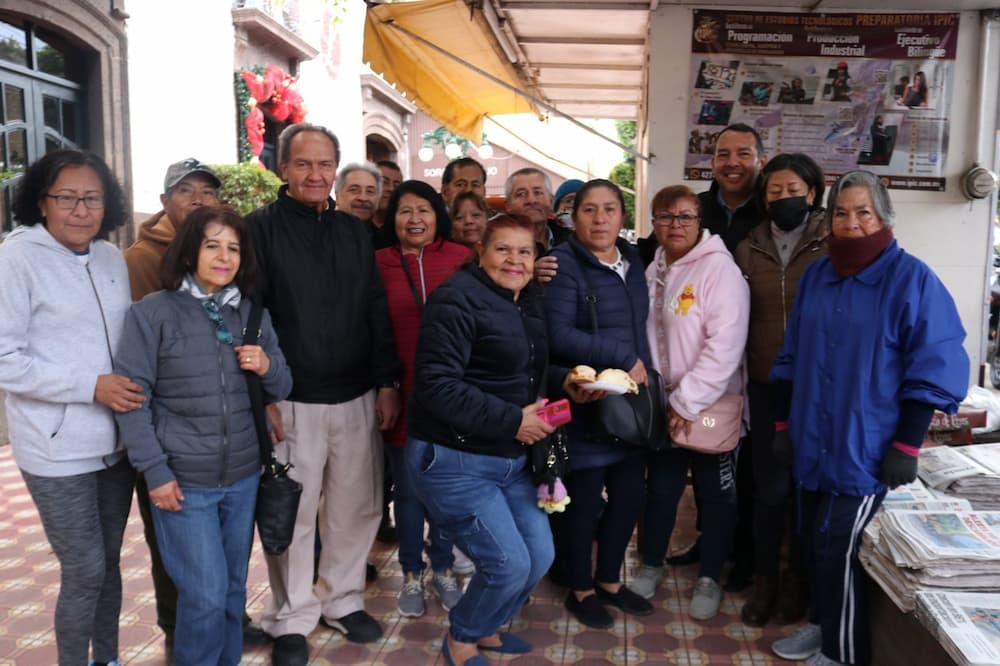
[690, 556]
[168, 644]
[740, 577]
[371, 572]
[589, 612]
[290, 650]
[625, 599]
[387, 532]
[254, 635]
[357, 627]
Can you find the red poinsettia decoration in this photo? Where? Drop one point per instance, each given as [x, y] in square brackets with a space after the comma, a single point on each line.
[275, 92]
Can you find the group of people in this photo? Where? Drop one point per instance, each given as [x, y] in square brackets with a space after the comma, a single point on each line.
[421, 327]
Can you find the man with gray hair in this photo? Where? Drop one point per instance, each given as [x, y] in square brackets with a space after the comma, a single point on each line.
[528, 192]
[317, 277]
[358, 192]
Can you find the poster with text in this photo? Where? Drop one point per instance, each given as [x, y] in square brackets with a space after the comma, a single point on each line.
[870, 91]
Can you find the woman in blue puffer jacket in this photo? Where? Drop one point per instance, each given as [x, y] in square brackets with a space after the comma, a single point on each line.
[194, 437]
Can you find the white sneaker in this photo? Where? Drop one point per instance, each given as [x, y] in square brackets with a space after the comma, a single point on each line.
[463, 566]
[706, 599]
[820, 659]
[803, 643]
[646, 581]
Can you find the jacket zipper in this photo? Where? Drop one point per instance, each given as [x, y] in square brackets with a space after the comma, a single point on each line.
[225, 418]
[107, 342]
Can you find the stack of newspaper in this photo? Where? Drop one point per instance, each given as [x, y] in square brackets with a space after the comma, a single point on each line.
[923, 542]
[966, 624]
[972, 472]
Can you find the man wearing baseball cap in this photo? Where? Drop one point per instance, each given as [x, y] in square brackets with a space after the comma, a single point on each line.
[188, 184]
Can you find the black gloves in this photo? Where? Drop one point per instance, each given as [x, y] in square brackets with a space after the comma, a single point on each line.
[781, 447]
[898, 468]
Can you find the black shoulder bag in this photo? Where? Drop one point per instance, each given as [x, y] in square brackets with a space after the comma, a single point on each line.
[632, 419]
[278, 494]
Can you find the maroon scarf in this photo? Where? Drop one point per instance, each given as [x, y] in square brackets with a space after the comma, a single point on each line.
[850, 256]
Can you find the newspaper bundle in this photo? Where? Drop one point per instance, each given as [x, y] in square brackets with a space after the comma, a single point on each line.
[972, 472]
[921, 541]
[966, 624]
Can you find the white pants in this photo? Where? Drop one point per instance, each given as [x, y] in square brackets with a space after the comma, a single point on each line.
[337, 452]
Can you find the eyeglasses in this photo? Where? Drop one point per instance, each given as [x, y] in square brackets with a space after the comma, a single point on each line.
[70, 202]
[222, 333]
[683, 219]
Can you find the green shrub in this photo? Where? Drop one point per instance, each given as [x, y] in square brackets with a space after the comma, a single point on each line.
[246, 186]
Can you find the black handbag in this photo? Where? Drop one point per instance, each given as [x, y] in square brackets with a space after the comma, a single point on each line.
[631, 419]
[278, 494]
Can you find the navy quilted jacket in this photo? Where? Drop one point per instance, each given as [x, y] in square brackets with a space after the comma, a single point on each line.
[621, 339]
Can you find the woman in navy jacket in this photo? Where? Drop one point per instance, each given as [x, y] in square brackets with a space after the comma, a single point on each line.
[596, 258]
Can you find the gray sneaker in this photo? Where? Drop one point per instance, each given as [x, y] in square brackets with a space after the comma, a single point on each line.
[820, 659]
[646, 581]
[445, 587]
[411, 596]
[462, 565]
[706, 599]
[803, 643]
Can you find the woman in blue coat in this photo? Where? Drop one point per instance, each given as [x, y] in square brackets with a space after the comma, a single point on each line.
[596, 262]
[873, 346]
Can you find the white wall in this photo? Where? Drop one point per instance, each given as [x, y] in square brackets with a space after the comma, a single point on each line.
[181, 98]
[942, 228]
[335, 102]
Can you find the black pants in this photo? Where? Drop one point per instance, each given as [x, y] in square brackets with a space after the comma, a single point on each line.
[772, 485]
[832, 526]
[624, 481]
[163, 587]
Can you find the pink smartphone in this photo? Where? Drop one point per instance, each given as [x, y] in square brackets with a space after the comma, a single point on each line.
[556, 413]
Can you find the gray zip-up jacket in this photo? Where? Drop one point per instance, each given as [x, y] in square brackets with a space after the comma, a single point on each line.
[61, 317]
[196, 426]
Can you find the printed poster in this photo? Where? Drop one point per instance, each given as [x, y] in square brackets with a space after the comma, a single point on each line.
[869, 91]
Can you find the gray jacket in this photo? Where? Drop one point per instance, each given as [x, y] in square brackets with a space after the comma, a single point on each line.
[196, 425]
[60, 320]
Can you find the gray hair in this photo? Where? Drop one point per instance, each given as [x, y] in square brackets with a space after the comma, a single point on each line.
[290, 132]
[876, 190]
[369, 167]
[508, 187]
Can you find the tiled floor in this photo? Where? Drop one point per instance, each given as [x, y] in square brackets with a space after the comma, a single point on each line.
[29, 581]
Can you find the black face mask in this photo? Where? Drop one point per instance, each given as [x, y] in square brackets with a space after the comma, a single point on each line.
[788, 213]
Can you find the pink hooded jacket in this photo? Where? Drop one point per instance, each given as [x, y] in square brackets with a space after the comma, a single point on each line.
[703, 302]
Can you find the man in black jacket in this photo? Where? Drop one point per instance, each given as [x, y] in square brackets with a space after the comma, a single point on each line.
[318, 279]
[730, 207]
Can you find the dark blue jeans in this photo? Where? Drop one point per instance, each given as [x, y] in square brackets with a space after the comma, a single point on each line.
[715, 488]
[488, 506]
[410, 515]
[613, 522]
[204, 548]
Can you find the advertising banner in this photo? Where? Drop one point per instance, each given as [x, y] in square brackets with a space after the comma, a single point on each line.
[869, 91]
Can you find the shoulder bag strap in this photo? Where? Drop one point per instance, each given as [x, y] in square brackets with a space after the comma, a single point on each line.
[591, 297]
[251, 335]
[413, 284]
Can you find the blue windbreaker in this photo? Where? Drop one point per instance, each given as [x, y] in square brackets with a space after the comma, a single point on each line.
[854, 349]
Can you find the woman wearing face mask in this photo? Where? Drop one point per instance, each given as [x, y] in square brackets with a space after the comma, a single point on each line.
[773, 258]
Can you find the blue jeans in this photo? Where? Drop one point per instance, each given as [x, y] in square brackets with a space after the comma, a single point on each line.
[715, 492]
[488, 506]
[204, 548]
[410, 515]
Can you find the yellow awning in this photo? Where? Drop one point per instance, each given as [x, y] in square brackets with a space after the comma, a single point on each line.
[409, 43]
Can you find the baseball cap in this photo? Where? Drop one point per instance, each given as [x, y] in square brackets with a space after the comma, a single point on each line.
[178, 171]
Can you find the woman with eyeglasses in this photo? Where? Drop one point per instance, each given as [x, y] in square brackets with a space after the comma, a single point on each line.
[194, 438]
[64, 294]
[697, 330]
[773, 257]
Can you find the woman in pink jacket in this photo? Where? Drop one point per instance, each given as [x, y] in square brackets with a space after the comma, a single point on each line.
[697, 328]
